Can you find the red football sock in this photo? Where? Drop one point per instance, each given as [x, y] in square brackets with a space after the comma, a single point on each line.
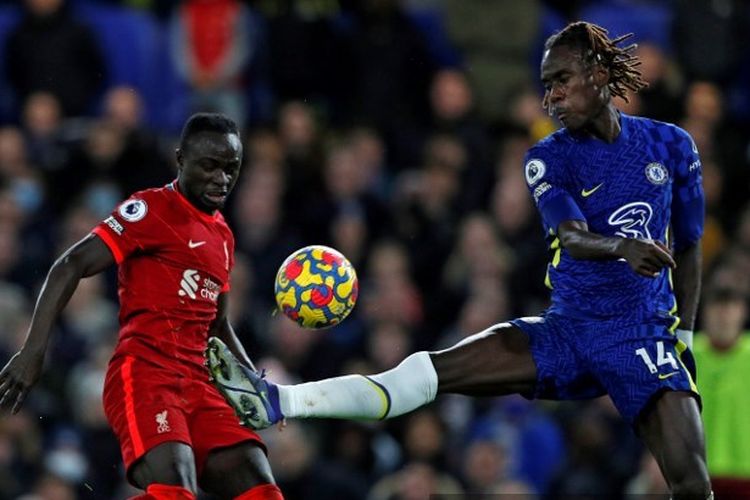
[262, 492]
[165, 492]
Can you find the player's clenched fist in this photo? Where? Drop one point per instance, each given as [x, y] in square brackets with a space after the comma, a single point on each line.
[646, 257]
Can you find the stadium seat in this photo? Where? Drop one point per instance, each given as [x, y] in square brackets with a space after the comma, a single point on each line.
[649, 21]
[9, 16]
[550, 22]
[133, 47]
[430, 23]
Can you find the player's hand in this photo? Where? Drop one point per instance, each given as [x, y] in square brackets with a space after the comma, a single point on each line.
[647, 257]
[17, 377]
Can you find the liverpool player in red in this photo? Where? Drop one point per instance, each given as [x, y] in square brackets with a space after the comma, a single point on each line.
[175, 253]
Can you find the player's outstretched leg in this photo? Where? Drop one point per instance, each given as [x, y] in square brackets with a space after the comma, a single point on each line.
[491, 363]
[672, 430]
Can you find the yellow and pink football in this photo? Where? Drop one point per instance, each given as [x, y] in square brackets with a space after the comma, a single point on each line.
[316, 286]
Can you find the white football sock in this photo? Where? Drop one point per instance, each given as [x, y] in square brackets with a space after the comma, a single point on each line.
[408, 386]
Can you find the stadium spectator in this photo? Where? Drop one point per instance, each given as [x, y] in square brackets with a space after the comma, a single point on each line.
[301, 134]
[426, 212]
[259, 216]
[391, 69]
[211, 45]
[722, 353]
[505, 31]
[415, 481]
[50, 51]
[387, 344]
[709, 38]
[661, 99]
[42, 122]
[527, 114]
[308, 57]
[453, 113]
[390, 294]
[302, 474]
[347, 189]
[425, 440]
[142, 162]
[16, 169]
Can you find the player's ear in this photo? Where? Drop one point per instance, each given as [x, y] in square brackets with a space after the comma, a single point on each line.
[600, 74]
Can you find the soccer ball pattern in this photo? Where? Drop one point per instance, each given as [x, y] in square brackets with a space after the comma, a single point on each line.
[316, 286]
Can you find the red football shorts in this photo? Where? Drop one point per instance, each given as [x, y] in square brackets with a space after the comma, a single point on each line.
[148, 405]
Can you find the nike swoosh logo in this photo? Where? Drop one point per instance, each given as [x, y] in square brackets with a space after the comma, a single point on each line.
[195, 244]
[586, 193]
[662, 376]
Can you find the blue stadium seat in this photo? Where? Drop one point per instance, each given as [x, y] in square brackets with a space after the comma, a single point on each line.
[648, 21]
[133, 47]
[9, 17]
[550, 22]
[132, 43]
[430, 23]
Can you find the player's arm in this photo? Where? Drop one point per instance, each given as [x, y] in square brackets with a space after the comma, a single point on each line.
[86, 258]
[646, 257]
[222, 328]
[687, 284]
[549, 186]
[688, 214]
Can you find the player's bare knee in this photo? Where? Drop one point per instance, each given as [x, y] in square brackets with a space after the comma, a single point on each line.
[170, 464]
[253, 463]
[246, 464]
[176, 472]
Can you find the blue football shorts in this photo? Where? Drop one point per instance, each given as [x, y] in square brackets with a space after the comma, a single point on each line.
[631, 360]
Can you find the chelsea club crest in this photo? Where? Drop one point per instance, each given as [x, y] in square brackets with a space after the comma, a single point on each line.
[656, 173]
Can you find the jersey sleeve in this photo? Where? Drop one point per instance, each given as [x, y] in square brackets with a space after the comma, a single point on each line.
[545, 178]
[688, 201]
[132, 226]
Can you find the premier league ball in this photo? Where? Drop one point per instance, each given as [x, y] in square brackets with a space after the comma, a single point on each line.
[316, 286]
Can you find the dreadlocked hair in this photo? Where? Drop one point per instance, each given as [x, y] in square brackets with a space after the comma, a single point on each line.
[596, 47]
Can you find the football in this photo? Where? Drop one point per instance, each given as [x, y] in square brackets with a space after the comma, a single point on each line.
[316, 286]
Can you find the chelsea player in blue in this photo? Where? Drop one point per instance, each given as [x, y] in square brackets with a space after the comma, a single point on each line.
[622, 205]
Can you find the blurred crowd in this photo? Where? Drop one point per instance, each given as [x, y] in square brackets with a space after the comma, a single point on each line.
[391, 130]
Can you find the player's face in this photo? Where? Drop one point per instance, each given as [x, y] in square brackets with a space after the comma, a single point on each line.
[570, 90]
[208, 168]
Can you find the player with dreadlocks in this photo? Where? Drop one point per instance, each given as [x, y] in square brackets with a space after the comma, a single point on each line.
[622, 207]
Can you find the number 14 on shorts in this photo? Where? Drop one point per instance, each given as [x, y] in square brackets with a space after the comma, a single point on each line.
[663, 357]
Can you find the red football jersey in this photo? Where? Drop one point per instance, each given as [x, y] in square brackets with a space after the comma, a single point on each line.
[174, 261]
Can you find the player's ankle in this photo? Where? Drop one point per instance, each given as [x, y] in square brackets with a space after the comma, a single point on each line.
[274, 398]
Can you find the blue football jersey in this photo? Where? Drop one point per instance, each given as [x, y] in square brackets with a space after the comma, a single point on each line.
[646, 184]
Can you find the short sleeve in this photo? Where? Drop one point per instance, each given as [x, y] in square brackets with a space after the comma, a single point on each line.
[131, 227]
[545, 179]
[688, 201]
